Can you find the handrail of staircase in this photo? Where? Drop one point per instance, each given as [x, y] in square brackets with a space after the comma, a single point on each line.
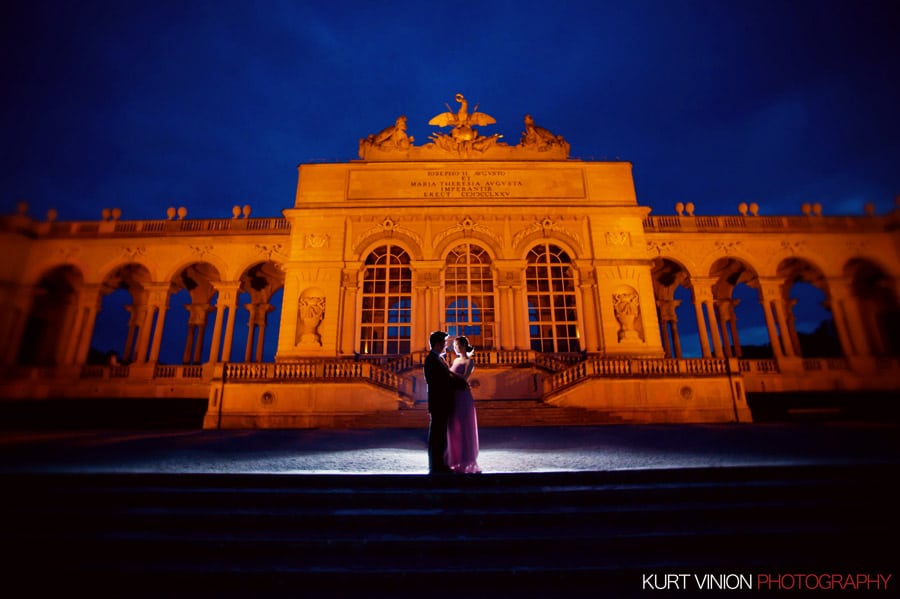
[627, 367]
[331, 369]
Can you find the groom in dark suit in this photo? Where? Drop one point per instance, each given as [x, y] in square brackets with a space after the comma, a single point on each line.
[441, 386]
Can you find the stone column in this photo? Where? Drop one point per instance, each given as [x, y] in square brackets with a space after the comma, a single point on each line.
[668, 323]
[225, 302]
[839, 292]
[426, 283]
[256, 324]
[766, 293]
[699, 292]
[91, 303]
[590, 310]
[503, 317]
[229, 298]
[520, 317]
[714, 328]
[68, 323]
[791, 322]
[22, 298]
[505, 277]
[728, 325]
[435, 308]
[137, 320]
[215, 345]
[785, 336]
[160, 299]
[349, 312]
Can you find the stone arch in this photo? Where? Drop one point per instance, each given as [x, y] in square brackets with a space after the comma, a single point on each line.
[874, 305]
[448, 243]
[727, 273]
[109, 269]
[804, 279]
[571, 252]
[259, 286]
[198, 279]
[413, 250]
[396, 236]
[212, 263]
[669, 275]
[546, 230]
[123, 302]
[52, 318]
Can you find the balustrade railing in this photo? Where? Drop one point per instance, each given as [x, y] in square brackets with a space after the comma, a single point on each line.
[654, 224]
[635, 367]
[177, 371]
[310, 370]
[758, 366]
[389, 372]
[230, 226]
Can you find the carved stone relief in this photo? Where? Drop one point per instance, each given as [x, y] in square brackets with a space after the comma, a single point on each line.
[626, 304]
[310, 314]
[620, 238]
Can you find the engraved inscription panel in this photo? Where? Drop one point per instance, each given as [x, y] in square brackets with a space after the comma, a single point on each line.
[466, 183]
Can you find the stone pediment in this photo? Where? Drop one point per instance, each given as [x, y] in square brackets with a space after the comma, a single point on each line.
[463, 141]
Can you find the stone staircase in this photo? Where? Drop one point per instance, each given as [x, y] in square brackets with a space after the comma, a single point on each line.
[498, 535]
[492, 412]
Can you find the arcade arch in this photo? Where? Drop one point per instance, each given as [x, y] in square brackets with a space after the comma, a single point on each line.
[872, 306]
[123, 291]
[55, 325]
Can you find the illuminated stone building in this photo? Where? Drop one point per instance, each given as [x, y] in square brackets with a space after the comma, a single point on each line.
[573, 293]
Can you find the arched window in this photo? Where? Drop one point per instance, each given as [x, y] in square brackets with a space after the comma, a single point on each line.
[469, 295]
[386, 302]
[552, 312]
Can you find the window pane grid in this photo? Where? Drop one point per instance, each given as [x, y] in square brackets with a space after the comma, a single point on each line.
[386, 302]
[469, 295]
[552, 315]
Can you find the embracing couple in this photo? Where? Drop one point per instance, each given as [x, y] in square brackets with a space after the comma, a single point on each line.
[453, 432]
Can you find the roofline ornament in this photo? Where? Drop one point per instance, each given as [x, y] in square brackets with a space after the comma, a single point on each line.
[464, 141]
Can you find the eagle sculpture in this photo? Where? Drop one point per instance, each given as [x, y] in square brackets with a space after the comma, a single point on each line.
[462, 121]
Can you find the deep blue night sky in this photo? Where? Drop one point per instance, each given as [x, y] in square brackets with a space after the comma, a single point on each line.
[146, 105]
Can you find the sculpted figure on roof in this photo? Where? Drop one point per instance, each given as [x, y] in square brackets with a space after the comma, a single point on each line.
[540, 138]
[389, 138]
[463, 141]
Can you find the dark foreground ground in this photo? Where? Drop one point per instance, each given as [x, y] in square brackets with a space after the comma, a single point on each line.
[609, 511]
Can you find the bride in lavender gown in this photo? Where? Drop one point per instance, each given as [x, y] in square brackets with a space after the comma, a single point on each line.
[462, 430]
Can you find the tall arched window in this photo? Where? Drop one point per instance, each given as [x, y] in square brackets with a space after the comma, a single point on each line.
[469, 295]
[552, 312]
[386, 302]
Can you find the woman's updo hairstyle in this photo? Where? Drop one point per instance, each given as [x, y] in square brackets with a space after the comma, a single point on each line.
[467, 347]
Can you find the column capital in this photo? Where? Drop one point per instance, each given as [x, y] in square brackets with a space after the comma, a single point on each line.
[228, 292]
[771, 289]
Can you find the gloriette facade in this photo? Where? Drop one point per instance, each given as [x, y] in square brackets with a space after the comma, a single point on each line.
[566, 285]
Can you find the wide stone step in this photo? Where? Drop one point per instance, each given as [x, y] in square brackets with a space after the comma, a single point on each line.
[491, 413]
[516, 533]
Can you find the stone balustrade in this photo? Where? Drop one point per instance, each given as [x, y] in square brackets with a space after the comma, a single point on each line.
[120, 228]
[780, 224]
[635, 368]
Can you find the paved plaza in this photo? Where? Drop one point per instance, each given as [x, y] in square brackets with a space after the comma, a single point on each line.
[402, 451]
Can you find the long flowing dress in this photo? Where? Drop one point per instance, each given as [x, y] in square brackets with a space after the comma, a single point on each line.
[462, 429]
